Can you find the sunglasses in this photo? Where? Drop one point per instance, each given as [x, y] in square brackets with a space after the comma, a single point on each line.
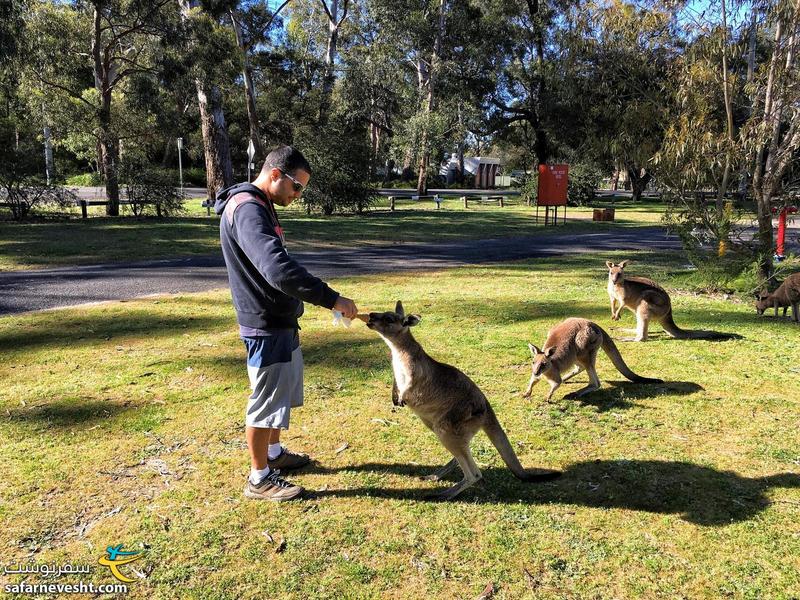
[298, 187]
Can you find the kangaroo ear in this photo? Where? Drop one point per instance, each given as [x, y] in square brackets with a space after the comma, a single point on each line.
[534, 350]
[623, 263]
[411, 320]
[399, 308]
[609, 264]
[550, 351]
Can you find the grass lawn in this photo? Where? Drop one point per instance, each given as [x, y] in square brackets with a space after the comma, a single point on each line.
[123, 424]
[42, 244]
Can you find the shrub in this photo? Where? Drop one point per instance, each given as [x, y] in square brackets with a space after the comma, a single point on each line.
[584, 179]
[85, 180]
[339, 156]
[21, 186]
[150, 189]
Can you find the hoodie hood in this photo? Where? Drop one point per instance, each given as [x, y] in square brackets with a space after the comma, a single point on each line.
[226, 194]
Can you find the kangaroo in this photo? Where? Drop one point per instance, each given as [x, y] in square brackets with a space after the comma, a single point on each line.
[788, 294]
[648, 300]
[574, 343]
[447, 401]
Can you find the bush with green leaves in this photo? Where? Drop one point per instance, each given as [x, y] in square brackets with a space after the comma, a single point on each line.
[150, 190]
[22, 187]
[340, 157]
[85, 180]
[584, 179]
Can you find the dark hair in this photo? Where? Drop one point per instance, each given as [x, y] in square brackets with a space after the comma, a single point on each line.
[287, 159]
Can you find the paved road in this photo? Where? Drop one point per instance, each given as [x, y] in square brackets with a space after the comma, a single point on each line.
[51, 288]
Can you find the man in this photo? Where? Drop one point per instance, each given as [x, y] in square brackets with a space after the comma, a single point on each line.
[268, 288]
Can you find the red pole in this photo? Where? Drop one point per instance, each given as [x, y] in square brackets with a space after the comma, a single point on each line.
[781, 231]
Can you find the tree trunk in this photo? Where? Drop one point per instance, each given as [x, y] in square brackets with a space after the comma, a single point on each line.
[219, 170]
[334, 23]
[49, 165]
[109, 154]
[425, 150]
[250, 92]
[638, 182]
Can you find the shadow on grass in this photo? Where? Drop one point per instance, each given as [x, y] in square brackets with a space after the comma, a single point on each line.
[65, 329]
[622, 394]
[70, 413]
[700, 495]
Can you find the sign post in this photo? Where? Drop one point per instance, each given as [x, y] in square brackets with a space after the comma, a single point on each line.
[552, 191]
[180, 163]
[251, 152]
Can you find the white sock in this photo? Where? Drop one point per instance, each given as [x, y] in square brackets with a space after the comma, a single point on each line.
[274, 451]
[258, 475]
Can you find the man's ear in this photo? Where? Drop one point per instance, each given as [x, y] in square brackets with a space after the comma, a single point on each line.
[398, 308]
[550, 351]
[623, 263]
[275, 174]
[534, 350]
[411, 320]
[609, 264]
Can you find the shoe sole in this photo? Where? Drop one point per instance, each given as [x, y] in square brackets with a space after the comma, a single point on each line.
[276, 498]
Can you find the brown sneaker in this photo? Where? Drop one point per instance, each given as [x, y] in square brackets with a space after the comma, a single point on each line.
[288, 460]
[272, 487]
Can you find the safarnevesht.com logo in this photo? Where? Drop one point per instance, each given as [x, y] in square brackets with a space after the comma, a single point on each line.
[114, 558]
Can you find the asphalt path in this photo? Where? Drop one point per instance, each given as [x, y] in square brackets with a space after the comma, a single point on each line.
[23, 291]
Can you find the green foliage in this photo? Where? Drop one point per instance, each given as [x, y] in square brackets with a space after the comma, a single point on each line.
[340, 157]
[22, 187]
[584, 179]
[85, 180]
[150, 190]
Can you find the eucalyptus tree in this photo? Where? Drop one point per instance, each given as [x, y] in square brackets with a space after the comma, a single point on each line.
[212, 52]
[626, 56]
[108, 40]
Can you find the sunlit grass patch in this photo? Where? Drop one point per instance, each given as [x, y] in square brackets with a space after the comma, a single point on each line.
[123, 423]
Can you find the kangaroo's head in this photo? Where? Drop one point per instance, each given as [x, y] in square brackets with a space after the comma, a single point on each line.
[615, 272]
[763, 301]
[541, 359]
[391, 324]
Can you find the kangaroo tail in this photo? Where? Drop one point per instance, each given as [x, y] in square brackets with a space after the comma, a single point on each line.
[499, 438]
[610, 348]
[695, 334]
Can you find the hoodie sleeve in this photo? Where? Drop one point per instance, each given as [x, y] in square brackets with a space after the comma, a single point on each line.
[256, 236]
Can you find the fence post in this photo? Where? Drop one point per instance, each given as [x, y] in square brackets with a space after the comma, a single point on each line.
[464, 198]
[391, 202]
[501, 202]
[84, 212]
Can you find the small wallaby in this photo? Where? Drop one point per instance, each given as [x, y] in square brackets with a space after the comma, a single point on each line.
[788, 294]
[574, 343]
[446, 400]
[648, 300]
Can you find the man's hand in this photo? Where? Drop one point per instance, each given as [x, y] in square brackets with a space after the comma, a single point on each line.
[346, 306]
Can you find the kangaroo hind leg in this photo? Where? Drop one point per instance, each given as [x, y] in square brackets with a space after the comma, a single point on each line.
[458, 446]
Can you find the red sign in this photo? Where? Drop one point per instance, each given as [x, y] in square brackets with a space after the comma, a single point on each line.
[552, 185]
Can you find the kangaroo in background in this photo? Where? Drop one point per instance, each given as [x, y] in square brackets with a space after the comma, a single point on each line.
[447, 401]
[787, 294]
[648, 300]
[574, 343]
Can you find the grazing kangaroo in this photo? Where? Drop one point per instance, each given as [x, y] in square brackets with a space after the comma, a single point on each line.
[574, 343]
[446, 400]
[788, 294]
[648, 300]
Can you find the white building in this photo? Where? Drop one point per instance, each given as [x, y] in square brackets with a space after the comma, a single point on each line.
[482, 169]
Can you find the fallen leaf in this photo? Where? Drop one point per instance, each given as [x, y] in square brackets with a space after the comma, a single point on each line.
[281, 546]
[342, 448]
[488, 592]
[267, 535]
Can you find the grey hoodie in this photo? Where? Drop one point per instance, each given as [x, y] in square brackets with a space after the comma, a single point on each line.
[268, 286]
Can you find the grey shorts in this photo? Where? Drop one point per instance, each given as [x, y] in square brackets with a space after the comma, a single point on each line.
[275, 369]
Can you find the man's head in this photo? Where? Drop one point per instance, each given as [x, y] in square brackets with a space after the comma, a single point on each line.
[284, 175]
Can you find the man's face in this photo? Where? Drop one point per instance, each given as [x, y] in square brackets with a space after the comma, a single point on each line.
[282, 189]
